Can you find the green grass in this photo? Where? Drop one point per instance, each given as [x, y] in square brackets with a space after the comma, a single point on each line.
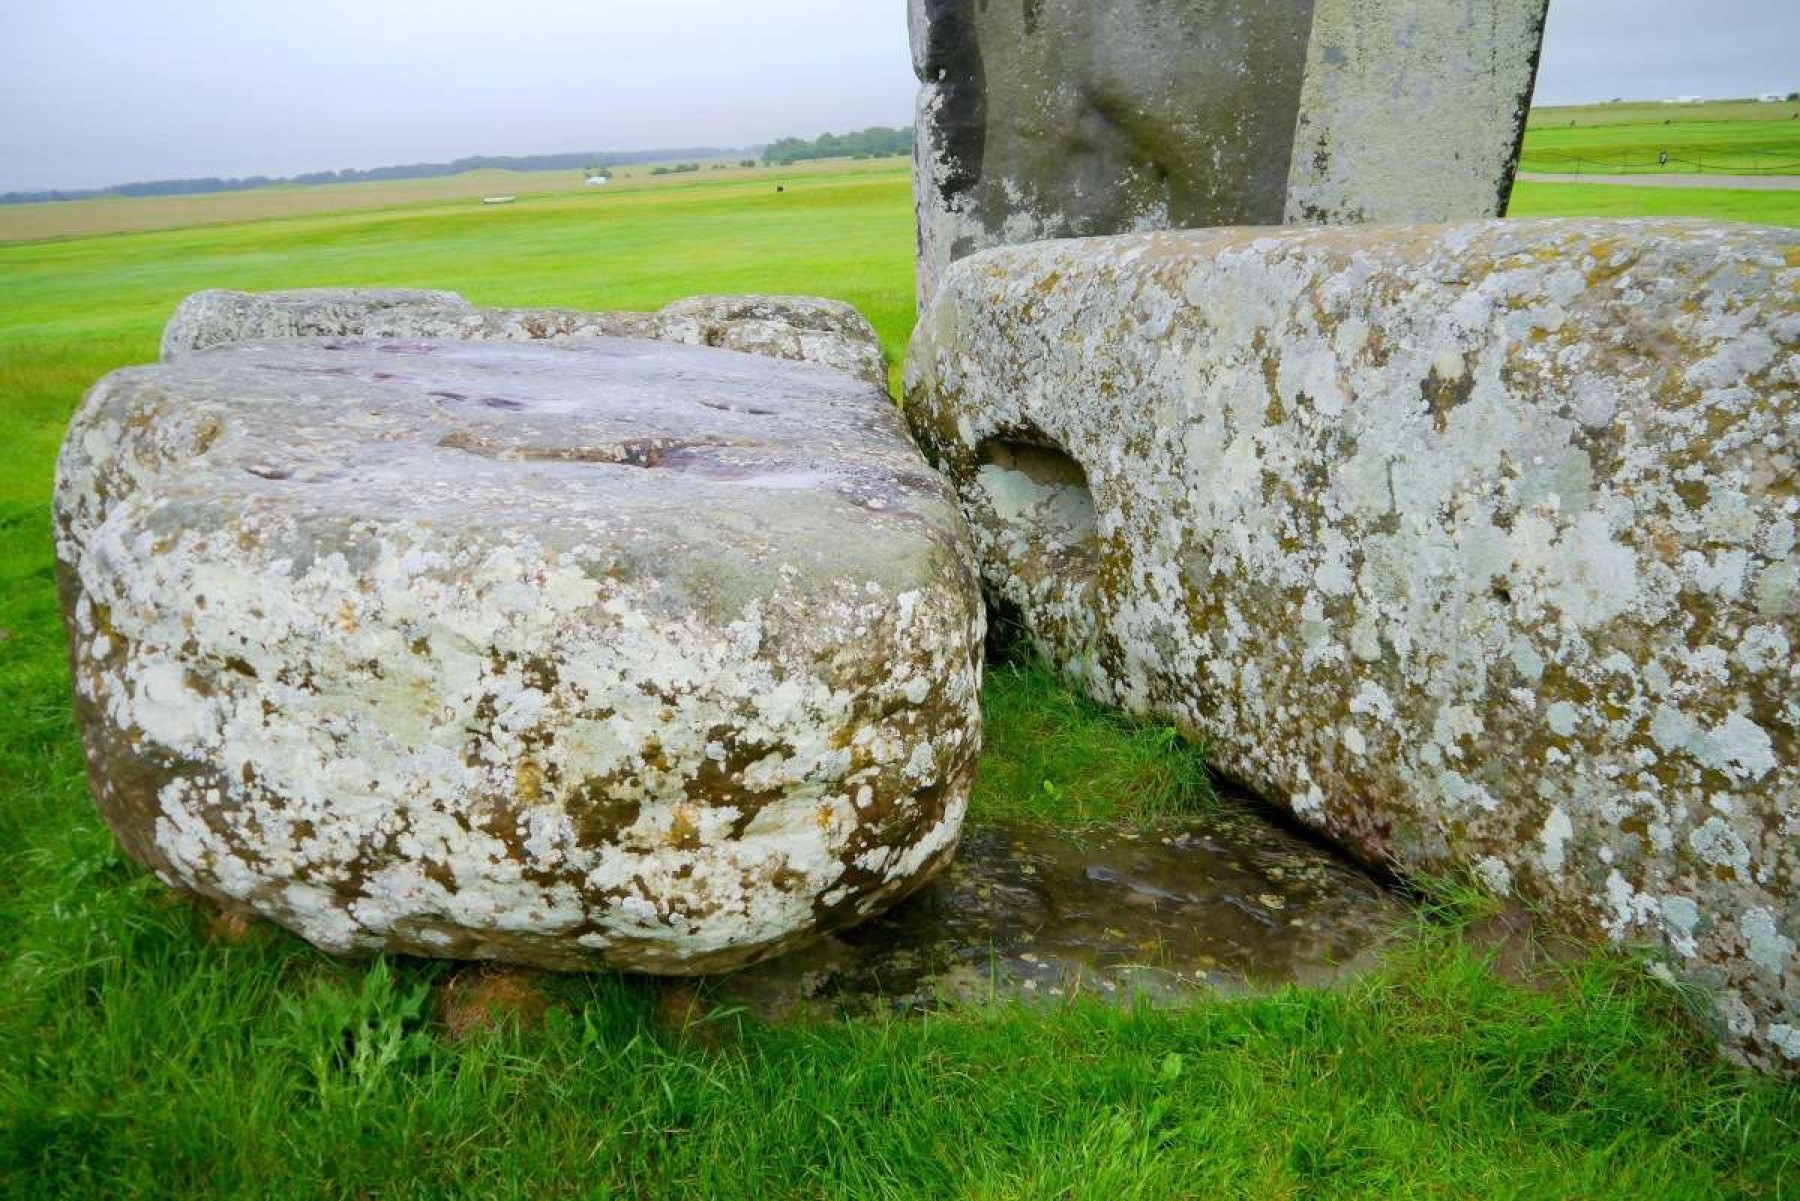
[1655, 112]
[1721, 138]
[1531, 199]
[1057, 757]
[72, 310]
[142, 1055]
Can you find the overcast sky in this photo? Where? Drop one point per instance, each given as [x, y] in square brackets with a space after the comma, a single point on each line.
[96, 92]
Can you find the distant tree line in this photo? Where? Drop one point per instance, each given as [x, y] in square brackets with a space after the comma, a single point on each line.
[874, 142]
[532, 162]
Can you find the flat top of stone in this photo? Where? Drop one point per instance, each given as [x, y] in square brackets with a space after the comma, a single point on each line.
[616, 447]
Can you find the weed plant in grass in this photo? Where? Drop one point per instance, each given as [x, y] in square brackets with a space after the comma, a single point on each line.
[147, 1051]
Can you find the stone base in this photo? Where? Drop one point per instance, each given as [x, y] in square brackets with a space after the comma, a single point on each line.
[607, 653]
[1475, 545]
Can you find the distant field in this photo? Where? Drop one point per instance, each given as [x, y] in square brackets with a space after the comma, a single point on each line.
[122, 214]
[1726, 138]
[1655, 112]
[72, 309]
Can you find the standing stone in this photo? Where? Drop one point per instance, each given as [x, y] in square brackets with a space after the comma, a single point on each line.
[1475, 545]
[606, 652]
[802, 329]
[1071, 118]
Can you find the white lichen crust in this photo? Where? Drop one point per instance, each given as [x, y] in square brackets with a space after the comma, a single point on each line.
[1473, 544]
[802, 329]
[602, 653]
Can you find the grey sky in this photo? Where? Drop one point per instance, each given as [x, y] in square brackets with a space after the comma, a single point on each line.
[94, 92]
[1654, 49]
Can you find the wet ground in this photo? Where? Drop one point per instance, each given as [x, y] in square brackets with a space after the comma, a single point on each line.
[1224, 904]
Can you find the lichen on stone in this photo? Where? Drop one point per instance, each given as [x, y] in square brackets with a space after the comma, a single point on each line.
[802, 329]
[595, 653]
[1473, 544]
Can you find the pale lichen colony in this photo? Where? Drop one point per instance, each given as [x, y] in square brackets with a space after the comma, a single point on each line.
[1475, 545]
[606, 653]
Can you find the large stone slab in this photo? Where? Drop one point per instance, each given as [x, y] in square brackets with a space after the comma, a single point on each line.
[1069, 118]
[1474, 545]
[602, 653]
[803, 329]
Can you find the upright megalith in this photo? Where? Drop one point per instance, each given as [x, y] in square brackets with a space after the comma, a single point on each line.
[606, 652]
[1070, 118]
[1475, 545]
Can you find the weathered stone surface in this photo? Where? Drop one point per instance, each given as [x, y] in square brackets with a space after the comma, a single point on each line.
[1221, 904]
[603, 652]
[798, 328]
[1068, 118]
[1473, 544]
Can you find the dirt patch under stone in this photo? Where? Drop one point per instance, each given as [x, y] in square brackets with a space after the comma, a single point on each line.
[488, 996]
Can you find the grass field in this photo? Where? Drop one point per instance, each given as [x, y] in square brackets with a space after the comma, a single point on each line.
[118, 214]
[1724, 137]
[148, 1049]
[1532, 199]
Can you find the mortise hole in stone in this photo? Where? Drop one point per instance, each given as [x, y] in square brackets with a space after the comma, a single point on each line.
[1036, 490]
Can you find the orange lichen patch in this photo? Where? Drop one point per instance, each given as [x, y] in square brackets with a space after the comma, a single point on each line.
[490, 997]
[231, 929]
[530, 785]
[684, 831]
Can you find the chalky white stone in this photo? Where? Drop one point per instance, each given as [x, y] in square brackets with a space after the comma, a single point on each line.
[1474, 544]
[600, 653]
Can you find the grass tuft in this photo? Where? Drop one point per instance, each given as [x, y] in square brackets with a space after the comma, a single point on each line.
[1052, 756]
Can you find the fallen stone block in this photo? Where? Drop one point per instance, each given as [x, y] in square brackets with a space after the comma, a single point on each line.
[1473, 545]
[1066, 118]
[803, 329]
[608, 652]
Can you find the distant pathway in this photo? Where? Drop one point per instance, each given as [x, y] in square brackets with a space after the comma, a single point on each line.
[1748, 183]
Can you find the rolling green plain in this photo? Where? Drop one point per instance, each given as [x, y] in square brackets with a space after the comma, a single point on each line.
[1722, 137]
[149, 1048]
